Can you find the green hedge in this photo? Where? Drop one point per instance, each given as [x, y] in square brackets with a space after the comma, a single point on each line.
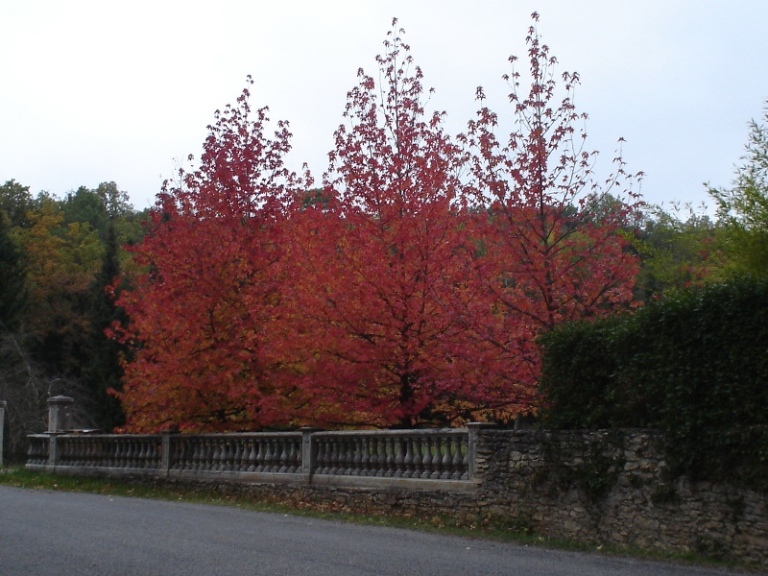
[694, 365]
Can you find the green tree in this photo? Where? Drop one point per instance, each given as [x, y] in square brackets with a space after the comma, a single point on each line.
[61, 263]
[102, 371]
[16, 202]
[678, 249]
[13, 290]
[743, 208]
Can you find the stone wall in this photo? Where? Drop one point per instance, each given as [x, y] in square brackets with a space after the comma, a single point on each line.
[604, 487]
[594, 487]
[611, 487]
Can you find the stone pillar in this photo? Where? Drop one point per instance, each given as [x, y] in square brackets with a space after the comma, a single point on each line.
[60, 413]
[165, 460]
[2, 428]
[307, 453]
[474, 429]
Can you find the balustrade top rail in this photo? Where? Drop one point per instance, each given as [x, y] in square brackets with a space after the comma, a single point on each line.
[444, 455]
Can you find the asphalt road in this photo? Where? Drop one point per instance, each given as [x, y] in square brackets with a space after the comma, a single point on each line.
[45, 533]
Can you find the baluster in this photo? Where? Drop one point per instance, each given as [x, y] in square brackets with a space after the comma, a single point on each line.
[178, 454]
[92, 459]
[289, 456]
[97, 452]
[437, 457]
[341, 454]
[463, 451]
[283, 455]
[143, 452]
[85, 455]
[216, 457]
[377, 457]
[117, 453]
[343, 458]
[346, 455]
[83, 449]
[195, 456]
[318, 447]
[199, 454]
[260, 454]
[268, 455]
[362, 456]
[150, 453]
[127, 453]
[186, 453]
[418, 452]
[296, 466]
[426, 457]
[237, 455]
[134, 453]
[86, 449]
[66, 454]
[210, 448]
[408, 462]
[137, 447]
[229, 454]
[330, 450]
[71, 451]
[279, 456]
[89, 453]
[454, 449]
[389, 462]
[130, 454]
[328, 455]
[446, 463]
[222, 445]
[322, 456]
[157, 453]
[400, 448]
[295, 456]
[253, 454]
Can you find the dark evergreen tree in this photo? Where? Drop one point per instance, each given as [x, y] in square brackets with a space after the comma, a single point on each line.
[13, 292]
[102, 372]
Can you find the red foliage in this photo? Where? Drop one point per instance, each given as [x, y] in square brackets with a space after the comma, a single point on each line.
[556, 241]
[199, 316]
[383, 264]
[410, 290]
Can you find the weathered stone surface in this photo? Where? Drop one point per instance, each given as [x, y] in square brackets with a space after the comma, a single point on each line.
[598, 487]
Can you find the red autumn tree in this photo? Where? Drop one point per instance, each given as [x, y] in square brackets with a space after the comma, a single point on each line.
[383, 260]
[199, 315]
[554, 241]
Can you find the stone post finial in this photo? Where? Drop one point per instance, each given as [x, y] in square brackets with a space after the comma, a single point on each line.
[60, 413]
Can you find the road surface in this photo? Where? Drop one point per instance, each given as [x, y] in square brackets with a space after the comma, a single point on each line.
[44, 533]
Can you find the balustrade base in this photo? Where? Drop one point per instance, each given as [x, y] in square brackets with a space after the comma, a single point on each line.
[329, 480]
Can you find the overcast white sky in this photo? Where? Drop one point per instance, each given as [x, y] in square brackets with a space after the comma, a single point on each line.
[95, 91]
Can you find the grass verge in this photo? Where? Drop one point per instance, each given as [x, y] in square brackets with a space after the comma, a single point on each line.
[18, 476]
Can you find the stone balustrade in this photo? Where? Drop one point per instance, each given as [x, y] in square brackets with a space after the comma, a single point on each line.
[435, 455]
[278, 453]
[439, 458]
[598, 487]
